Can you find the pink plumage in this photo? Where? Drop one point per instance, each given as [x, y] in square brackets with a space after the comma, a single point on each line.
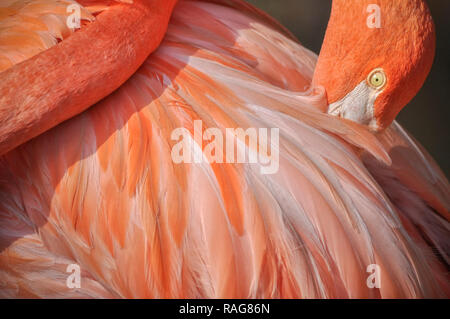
[102, 191]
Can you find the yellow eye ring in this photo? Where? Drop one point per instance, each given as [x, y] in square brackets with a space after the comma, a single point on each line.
[377, 78]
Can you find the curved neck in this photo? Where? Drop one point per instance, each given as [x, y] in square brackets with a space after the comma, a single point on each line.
[364, 35]
[65, 80]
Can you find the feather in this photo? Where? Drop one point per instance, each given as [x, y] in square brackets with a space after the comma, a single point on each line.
[102, 190]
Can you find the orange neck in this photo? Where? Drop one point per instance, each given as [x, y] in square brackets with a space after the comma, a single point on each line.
[65, 80]
[403, 46]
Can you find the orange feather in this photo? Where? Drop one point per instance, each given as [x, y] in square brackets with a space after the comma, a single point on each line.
[101, 190]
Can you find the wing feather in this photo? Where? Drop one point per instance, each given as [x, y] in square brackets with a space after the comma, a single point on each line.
[103, 190]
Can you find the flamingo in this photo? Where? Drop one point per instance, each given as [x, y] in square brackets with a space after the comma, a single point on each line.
[87, 177]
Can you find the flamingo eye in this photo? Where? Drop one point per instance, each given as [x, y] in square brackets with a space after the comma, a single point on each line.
[377, 79]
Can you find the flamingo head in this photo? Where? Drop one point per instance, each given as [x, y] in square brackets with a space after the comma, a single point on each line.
[375, 57]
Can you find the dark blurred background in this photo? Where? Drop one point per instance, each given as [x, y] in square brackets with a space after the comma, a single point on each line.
[427, 115]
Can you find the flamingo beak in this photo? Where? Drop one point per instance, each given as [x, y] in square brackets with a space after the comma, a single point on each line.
[357, 106]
